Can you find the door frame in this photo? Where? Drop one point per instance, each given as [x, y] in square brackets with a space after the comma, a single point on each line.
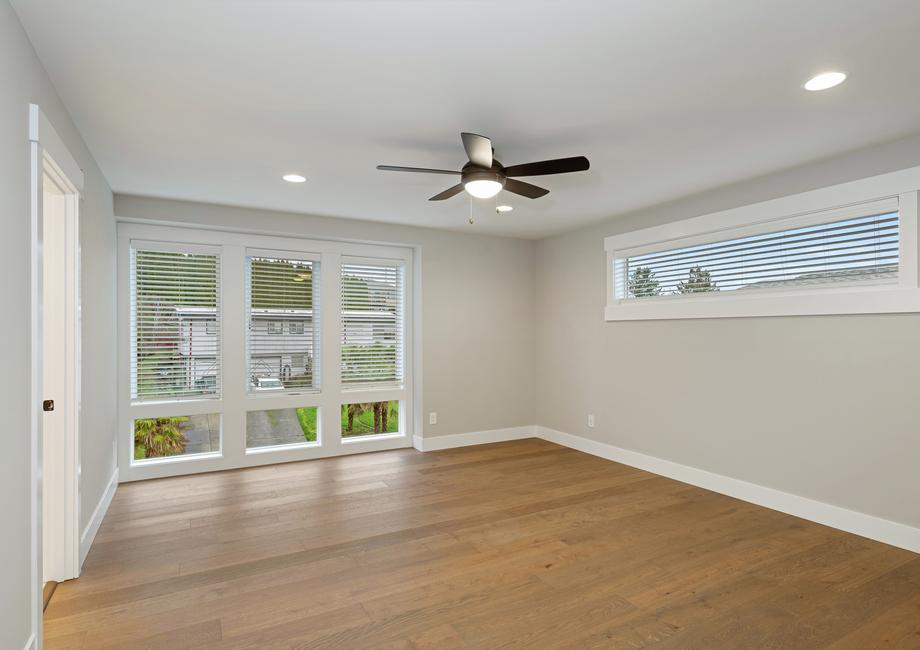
[50, 156]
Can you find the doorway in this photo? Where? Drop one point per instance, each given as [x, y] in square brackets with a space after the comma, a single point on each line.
[56, 185]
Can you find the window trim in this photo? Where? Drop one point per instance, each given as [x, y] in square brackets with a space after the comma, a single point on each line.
[888, 192]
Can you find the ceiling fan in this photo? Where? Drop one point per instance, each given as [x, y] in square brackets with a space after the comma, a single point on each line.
[483, 177]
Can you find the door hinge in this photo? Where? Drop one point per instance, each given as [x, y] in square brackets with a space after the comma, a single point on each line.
[48, 405]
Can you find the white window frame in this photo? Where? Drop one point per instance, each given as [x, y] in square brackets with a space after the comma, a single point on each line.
[235, 399]
[897, 191]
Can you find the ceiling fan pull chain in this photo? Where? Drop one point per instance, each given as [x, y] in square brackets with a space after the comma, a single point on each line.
[471, 210]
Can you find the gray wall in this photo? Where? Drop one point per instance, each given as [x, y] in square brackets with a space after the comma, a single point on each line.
[823, 407]
[23, 80]
[477, 306]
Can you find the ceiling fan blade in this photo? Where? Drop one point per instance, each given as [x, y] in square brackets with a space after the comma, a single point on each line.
[525, 189]
[449, 192]
[544, 167]
[418, 170]
[478, 149]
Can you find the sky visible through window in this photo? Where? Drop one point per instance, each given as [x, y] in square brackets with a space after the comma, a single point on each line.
[857, 249]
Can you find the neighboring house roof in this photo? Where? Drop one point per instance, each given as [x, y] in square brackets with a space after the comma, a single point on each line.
[882, 272]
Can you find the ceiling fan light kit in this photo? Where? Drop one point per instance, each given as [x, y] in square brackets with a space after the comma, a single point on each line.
[482, 184]
[483, 177]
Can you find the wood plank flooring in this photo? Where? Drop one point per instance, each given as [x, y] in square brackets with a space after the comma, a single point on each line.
[520, 544]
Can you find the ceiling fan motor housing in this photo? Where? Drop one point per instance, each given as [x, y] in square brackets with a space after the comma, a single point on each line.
[471, 172]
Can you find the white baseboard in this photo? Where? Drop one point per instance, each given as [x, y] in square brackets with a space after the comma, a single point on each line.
[882, 530]
[434, 443]
[89, 533]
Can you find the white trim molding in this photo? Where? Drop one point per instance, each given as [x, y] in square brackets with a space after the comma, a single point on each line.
[92, 526]
[30, 643]
[897, 191]
[858, 523]
[435, 443]
[41, 131]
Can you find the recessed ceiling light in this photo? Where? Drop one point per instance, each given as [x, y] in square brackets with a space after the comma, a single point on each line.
[503, 208]
[825, 80]
[294, 178]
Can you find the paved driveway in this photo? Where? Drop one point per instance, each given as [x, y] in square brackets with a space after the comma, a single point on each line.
[280, 427]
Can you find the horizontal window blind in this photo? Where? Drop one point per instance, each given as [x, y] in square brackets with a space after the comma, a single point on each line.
[282, 301]
[175, 325]
[851, 250]
[372, 324]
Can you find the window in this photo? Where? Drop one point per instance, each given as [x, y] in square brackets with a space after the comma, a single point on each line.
[370, 419]
[282, 289]
[745, 262]
[281, 427]
[173, 294]
[372, 324]
[222, 342]
[176, 435]
[840, 252]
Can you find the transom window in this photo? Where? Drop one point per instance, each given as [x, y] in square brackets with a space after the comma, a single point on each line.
[840, 252]
[752, 261]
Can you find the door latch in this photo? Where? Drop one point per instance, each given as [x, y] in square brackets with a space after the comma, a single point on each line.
[48, 405]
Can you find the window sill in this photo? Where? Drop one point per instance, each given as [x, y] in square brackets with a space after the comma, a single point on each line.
[271, 449]
[371, 437]
[866, 300]
[178, 458]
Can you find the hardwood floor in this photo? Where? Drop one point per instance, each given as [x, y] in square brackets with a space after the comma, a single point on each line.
[518, 544]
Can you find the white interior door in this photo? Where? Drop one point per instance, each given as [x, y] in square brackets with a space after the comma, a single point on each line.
[54, 380]
[60, 378]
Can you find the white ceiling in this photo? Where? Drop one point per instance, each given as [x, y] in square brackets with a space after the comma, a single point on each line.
[213, 100]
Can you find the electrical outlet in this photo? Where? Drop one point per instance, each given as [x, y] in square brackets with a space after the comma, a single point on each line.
[432, 418]
[590, 419]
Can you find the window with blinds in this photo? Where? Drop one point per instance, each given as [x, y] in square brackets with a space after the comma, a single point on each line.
[848, 251]
[175, 325]
[372, 324]
[283, 321]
